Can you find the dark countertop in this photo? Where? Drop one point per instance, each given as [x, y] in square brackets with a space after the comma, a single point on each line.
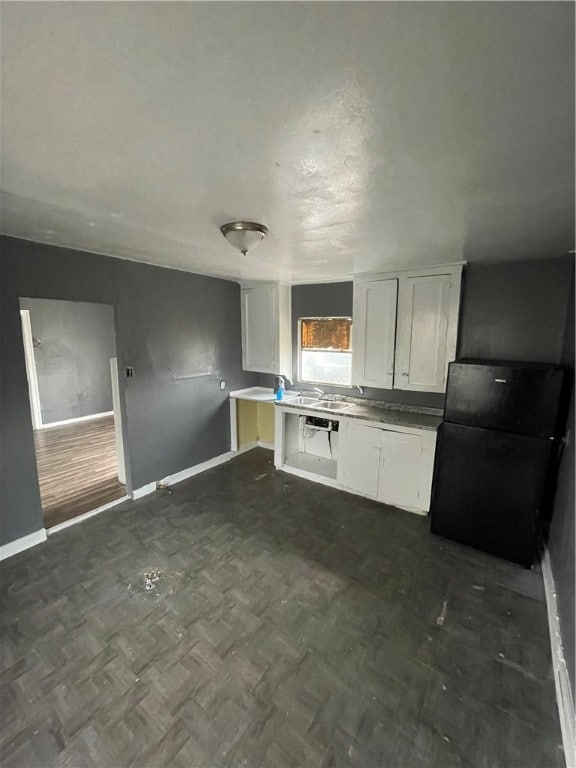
[373, 410]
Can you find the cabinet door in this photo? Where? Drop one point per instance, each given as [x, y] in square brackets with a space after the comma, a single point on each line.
[399, 478]
[259, 329]
[359, 459]
[374, 332]
[421, 347]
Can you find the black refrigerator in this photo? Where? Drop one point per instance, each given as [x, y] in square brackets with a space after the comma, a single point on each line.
[496, 455]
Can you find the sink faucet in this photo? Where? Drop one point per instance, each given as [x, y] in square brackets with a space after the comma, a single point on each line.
[323, 395]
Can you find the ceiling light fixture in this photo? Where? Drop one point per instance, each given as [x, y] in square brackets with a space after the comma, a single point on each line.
[244, 235]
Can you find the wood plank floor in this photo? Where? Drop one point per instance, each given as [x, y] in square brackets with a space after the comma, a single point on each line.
[291, 624]
[77, 469]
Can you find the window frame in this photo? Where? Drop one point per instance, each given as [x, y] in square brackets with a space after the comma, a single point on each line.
[338, 351]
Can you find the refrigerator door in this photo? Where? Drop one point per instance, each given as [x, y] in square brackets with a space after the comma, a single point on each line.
[488, 490]
[522, 398]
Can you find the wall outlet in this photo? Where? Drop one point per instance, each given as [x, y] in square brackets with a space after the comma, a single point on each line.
[222, 384]
[129, 372]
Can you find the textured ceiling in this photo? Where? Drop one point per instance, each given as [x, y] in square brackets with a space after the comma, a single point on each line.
[364, 135]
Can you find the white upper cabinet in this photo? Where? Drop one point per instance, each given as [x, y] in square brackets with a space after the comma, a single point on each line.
[421, 350]
[405, 328]
[266, 328]
[374, 332]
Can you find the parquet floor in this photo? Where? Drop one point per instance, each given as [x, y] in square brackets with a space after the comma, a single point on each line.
[288, 624]
[77, 469]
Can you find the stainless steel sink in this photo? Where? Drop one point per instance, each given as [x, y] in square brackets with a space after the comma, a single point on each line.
[301, 401]
[332, 405]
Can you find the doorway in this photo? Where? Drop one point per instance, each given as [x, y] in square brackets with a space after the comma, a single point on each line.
[70, 353]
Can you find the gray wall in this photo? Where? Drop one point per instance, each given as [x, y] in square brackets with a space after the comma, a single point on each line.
[515, 311]
[561, 537]
[181, 332]
[73, 359]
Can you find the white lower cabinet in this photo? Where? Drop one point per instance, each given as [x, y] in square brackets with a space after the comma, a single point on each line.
[394, 467]
[389, 463]
[359, 460]
[400, 459]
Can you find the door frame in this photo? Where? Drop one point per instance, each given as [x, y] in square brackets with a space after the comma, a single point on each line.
[118, 430]
[32, 375]
[118, 384]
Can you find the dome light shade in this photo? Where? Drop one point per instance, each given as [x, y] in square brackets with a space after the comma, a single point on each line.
[244, 235]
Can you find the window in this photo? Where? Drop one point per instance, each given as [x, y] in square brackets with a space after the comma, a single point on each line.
[325, 350]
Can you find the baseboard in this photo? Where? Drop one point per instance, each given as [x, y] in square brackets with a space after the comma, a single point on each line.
[177, 477]
[86, 515]
[305, 475]
[245, 448]
[561, 677]
[250, 446]
[138, 493]
[184, 474]
[25, 542]
[75, 421]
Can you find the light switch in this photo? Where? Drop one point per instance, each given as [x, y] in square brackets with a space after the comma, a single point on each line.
[222, 384]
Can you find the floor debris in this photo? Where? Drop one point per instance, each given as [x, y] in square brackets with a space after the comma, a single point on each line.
[261, 477]
[442, 617]
[151, 578]
[517, 667]
[154, 582]
[479, 587]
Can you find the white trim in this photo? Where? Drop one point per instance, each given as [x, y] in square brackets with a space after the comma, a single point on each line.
[320, 280]
[314, 478]
[120, 459]
[138, 493]
[433, 269]
[561, 677]
[198, 468]
[233, 424]
[86, 515]
[79, 418]
[24, 542]
[253, 444]
[247, 447]
[31, 374]
[177, 477]
[350, 352]
[369, 275]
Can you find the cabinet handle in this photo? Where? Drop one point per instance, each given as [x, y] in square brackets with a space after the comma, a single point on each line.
[390, 373]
